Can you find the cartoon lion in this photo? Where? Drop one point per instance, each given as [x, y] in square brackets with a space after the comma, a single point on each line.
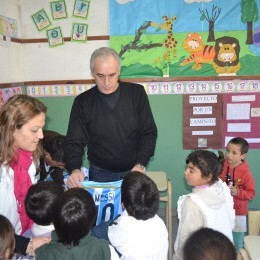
[199, 53]
[226, 61]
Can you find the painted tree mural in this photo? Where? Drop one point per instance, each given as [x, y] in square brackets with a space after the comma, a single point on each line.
[249, 14]
[215, 12]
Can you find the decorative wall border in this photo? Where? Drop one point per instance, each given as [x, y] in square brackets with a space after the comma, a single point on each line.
[155, 88]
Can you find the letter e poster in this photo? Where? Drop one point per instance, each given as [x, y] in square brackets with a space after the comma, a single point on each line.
[202, 121]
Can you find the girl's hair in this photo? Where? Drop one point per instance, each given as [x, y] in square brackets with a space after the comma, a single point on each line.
[74, 215]
[7, 239]
[208, 163]
[16, 112]
[53, 144]
[208, 244]
[103, 52]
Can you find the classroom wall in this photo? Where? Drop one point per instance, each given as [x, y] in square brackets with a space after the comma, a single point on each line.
[169, 154]
[71, 61]
[10, 52]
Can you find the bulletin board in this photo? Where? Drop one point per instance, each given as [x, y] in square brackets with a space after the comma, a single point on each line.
[241, 117]
[202, 121]
[211, 120]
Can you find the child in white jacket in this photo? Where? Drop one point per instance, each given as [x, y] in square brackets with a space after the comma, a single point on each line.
[139, 233]
[210, 203]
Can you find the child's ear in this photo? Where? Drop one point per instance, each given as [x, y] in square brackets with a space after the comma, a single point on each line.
[243, 156]
[209, 178]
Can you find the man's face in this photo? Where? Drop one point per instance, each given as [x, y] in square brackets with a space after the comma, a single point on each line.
[106, 74]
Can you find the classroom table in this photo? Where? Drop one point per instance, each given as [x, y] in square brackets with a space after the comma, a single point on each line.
[252, 247]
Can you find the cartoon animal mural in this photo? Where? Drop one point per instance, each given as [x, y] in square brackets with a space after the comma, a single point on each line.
[199, 53]
[170, 43]
[226, 61]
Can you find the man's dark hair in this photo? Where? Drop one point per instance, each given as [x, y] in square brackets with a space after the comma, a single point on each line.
[140, 196]
[74, 215]
[39, 201]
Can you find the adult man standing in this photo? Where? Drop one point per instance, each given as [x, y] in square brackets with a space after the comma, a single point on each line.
[114, 120]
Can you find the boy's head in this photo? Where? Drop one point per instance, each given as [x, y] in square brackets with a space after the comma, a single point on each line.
[53, 148]
[210, 244]
[74, 215]
[236, 151]
[39, 201]
[140, 196]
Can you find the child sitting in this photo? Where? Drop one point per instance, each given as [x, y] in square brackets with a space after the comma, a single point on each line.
[210, 203]
[39, 206]
[207, 243]
[73, 216]
[236, 173]
[7, 240]
[52, 163]
[139, 233]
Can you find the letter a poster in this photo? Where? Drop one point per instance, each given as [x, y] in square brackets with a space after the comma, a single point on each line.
[202, 121]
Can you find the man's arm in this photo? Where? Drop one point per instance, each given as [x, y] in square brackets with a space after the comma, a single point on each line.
[74, 145]
[147, 130]
[76, 139]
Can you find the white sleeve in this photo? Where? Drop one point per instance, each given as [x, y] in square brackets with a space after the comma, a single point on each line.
[192, 219]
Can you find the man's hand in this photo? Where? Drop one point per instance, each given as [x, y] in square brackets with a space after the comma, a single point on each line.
[139, 168]
[75, 178]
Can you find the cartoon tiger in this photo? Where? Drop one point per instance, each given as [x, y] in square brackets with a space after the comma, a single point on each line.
[199, 53]
[226, 60]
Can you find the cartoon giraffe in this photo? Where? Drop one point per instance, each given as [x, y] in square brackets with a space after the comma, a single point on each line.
[170, 42]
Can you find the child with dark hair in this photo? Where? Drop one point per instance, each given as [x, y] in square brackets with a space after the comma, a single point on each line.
[139, 233]
[7, 239]
[39, 206]
[208, 244]
[236, 173]
[73, 216]
[210, 203]
[52, 163]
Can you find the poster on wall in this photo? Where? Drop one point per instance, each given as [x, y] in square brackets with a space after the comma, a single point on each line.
[186, 38]
[41, 20]
[6, 93]
[241, 117]
[55, 37]
[81, 8]
[79, 32]
[58, 10]
[202, 121]
[8, 27]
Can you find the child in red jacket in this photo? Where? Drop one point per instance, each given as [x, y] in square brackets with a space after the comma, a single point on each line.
[236, 173]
